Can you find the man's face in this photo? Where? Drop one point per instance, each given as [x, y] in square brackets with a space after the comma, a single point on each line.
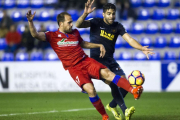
[109, 16]
[67, 24]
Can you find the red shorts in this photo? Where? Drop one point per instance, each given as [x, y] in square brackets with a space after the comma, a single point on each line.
[85, 70]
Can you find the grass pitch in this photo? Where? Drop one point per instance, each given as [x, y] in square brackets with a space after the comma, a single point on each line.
[76, 106]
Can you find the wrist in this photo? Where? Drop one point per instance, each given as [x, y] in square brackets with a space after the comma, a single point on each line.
[86, 14]
[30, 21]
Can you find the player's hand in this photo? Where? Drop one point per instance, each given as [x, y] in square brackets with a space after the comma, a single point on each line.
[103, 51]
[30, 16]
[147, 51]
[88, 6]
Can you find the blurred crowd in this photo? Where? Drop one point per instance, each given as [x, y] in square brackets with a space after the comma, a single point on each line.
[16, 40]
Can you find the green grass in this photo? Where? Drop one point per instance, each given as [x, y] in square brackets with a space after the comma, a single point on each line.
[151, 106]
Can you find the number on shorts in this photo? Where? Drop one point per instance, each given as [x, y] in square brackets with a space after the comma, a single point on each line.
[77, 80]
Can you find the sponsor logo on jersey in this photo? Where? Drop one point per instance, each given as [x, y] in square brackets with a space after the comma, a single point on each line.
[114, 31]
[102, 28]
[109, 36]
[63, 43]
[59, 35]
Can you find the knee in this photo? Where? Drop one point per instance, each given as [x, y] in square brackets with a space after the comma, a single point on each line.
[89, 88]
[107, 74]
[91, 92]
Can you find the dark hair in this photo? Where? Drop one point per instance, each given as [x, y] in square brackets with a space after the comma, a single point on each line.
[108, 6]
[60, 17]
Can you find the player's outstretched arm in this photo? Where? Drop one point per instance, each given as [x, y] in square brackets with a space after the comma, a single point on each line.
[89, 45]
[138, 46]
[81, 22]
[34, 33]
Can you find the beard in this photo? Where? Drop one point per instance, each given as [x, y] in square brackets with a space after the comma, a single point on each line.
[108, 21]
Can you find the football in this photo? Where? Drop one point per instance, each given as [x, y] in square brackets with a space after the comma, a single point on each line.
[136, 78]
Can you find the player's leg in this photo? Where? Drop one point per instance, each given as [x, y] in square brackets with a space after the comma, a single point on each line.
[117, 97]
[98, 70]
[120, 82]
[81, 77]
[94, 98]
[117, 94]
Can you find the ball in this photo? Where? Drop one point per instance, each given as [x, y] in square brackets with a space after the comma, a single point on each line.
[136, 78]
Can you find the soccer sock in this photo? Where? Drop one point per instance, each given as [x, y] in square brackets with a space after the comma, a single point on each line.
[122, 82]
[123, 92]
[123, 108]
[118, 99]
[96, 101]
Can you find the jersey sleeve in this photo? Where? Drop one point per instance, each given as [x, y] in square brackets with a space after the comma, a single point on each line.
[121, 29]
[93, 21]
[48, 36]
[79, 36]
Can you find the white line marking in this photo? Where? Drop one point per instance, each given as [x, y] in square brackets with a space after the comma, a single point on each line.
[72, 110]
[53, 111]
[29, 113]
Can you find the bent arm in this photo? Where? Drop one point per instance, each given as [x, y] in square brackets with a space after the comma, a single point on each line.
[81, 22]
[89, 45]
[132, 41]
[38, 35]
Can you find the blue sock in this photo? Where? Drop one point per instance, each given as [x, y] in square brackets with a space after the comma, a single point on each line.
[116, 79]
[94, 99]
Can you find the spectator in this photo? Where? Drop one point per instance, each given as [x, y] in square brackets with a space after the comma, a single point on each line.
[125, 10]
[42, 45]
[27, 40]
[100, 3]
[6, 20]
[13, 39]
[3, 31]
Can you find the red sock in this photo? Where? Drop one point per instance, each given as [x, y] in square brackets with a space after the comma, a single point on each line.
[99, 107]
[122, 82]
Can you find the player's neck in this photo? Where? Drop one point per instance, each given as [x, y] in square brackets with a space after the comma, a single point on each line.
[60, 30]
[106, 21]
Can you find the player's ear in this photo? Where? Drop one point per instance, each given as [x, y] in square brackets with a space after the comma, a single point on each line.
[103, 14]
[60, 23]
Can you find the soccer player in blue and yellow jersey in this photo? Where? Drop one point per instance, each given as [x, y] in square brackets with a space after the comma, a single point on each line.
[105, 31]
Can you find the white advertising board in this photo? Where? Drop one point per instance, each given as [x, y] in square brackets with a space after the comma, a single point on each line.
[51, 76]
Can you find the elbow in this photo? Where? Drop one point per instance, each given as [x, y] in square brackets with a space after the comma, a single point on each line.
[78, 26]
[34, 35]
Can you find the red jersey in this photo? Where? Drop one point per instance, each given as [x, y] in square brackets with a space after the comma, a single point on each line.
[66, 46]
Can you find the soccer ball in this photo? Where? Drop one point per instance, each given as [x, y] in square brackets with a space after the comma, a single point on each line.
[136, 78]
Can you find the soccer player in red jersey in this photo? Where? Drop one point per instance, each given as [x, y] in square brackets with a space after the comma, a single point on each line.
[68, 44]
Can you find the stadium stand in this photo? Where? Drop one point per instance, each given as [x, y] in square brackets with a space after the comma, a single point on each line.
[149, 3]
[157, 25]
[37, 3]
[169, 55]
[143, 14]
[160, 42]
[23, 3]
[175, 42]
[152, 28]
[139, 56]
[7, 57]
[125, 56]
[156, 56]
[146, 41]
[36, 56]
[3, 43]
[22, 56]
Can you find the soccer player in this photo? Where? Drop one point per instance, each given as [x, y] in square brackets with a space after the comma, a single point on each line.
[67, 44]
[105, 31]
